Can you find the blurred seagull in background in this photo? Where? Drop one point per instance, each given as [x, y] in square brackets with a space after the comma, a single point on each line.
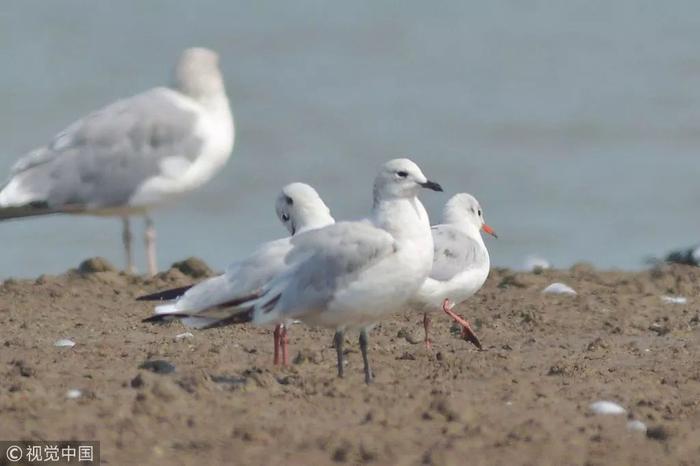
[131, 155]
[460, 263]
[212, 302]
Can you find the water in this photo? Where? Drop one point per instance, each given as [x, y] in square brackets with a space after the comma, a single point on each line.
[576, 124]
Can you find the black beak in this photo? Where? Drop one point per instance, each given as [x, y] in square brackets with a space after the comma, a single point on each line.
[431, 185]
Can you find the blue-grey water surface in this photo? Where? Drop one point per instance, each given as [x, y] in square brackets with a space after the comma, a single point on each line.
[576, 124]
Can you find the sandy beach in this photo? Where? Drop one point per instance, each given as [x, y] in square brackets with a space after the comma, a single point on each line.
[523, 400]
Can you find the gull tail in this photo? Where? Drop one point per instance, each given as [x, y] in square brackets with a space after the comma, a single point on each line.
[234, 311]
[33, 209]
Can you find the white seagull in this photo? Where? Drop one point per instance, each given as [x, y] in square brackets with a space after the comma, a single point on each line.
[131, 155]
[209, 304]
[352, 274]
[460, 263]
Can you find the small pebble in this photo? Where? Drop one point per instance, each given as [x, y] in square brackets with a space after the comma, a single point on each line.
[159, 366]
[559, 288]
[536, 263]
[606, 407]
[636, 426]
[674, 299]
[73, 394]
[64, 343]
[184, 335]
[657, 433]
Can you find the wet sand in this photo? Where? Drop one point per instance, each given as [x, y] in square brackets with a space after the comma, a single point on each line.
[523, 400]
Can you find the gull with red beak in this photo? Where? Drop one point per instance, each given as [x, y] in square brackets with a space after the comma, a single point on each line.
[460, 263]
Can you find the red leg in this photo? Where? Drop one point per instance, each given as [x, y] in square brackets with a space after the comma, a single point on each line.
[467, 332]
[284, 342]
[277, 334]
[426, 326]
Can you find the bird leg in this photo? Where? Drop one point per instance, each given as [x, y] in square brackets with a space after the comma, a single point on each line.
[467, 332]
[338, 340]
[278, 331]
[427, 320]
[150, 238]
[126, 239]
[284, 343]
[364, 339]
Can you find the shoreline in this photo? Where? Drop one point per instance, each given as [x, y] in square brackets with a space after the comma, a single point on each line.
[524, 399]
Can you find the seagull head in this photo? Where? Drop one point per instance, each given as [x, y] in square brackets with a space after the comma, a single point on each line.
[401, 178]
[197, 73]
[463, 208]
[300, 208]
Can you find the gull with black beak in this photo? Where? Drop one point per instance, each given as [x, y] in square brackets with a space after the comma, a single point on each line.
[350, 275]
[460, 263]
[212, 302]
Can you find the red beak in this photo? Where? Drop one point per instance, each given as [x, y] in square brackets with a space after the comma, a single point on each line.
[489, 230]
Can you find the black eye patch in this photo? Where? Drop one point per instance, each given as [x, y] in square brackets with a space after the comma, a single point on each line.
[402, 174]
[289, 200]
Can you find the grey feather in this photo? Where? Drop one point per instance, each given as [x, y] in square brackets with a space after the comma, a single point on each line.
[324, 261]
[454, 252]
[102, 159]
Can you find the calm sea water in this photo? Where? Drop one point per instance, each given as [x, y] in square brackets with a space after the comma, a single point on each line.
[577, 124]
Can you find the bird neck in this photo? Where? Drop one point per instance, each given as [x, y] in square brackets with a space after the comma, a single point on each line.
[403, 218]
[313, 220]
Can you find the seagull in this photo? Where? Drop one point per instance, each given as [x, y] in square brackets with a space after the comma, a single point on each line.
[131, 155]
[460, 263]
[207, 304]
[350, 275]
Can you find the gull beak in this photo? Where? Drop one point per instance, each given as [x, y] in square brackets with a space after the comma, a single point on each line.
[431, 185]
[487, 229]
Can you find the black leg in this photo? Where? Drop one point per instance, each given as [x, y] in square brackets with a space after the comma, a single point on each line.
[338, 340]
[364, 339]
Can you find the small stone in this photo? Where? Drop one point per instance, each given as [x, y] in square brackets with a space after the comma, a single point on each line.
[94, 265]
[158, 366]
[659, 329]
[559, 288]
[536, 264]
[606, 407]
[193, 267]
[657, 433]
[636, 426]
[64, 343]
[137, 382]
[22, 368]
[674, 299]
[184, 335]
[74, 394]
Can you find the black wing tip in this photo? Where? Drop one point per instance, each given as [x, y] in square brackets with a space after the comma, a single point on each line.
[166, 295]
[154, 318]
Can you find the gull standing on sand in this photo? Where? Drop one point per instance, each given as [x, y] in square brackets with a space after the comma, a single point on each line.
[212, 302]
[352, 274]
[460, 264]
[131, 155]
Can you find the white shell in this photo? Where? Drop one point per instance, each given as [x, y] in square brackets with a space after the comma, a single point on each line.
[559, 288]
[73, 394]
[607, 407]
[184, 335]
[674, 299]
[64, 343]
[636, 426]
